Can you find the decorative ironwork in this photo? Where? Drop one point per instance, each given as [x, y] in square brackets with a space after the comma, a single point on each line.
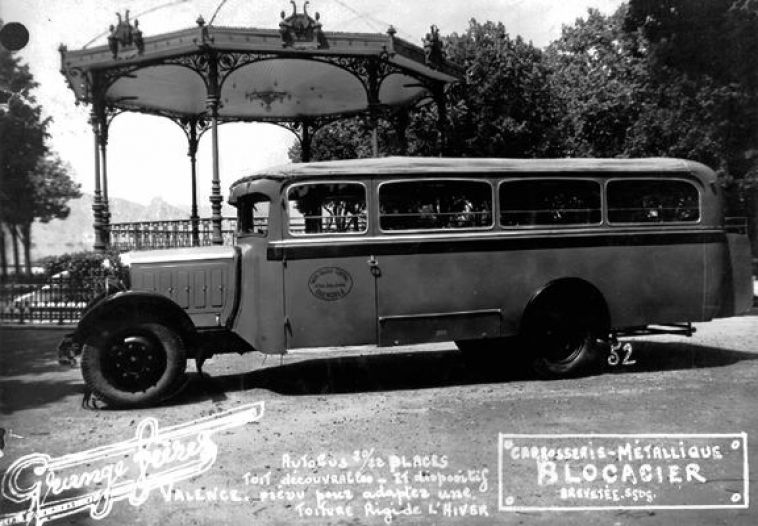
[125, 37]
[197, 62]
[200, 124]
[59, 300]
[267, 97]
[107, 77]
[305, 129]
[371, 62]
[228, 62]
[204, 36]
[148, 235]
[300, 31]
[433, 53]
[108, 114]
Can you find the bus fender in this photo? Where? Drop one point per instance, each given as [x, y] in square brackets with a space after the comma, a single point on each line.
[582, 296]
[128, 306]
[566, 326]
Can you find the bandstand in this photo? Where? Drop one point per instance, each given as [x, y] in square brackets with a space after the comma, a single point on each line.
[297, 76]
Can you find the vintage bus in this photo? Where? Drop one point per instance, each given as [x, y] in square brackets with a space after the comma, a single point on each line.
[567, 254]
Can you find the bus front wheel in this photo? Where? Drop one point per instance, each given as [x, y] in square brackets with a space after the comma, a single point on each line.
[135, 365]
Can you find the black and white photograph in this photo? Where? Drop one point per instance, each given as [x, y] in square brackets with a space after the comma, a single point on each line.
[375, 262]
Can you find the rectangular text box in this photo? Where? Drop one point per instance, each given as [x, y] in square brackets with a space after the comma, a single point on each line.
[566, 472]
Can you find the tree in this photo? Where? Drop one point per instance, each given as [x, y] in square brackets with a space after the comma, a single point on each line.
[503, 107]
[33, 183]
[49, 188]
[599, 76]
[703, 90]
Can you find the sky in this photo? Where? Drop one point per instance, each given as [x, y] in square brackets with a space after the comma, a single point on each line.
[147, 155]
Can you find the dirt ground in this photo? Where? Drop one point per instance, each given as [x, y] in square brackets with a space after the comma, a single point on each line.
[396, 415]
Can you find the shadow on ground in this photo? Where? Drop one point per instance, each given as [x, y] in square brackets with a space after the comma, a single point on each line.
[419, 370]
[30, 375]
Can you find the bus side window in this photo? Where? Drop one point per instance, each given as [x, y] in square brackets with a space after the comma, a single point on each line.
[435, 205]
[652, 201]
[327, 208]
[253, 214]
[549, 202]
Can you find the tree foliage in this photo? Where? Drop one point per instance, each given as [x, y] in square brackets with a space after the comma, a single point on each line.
[703, 67]
[34, 183]
[23, 131]
[50, 188]
[674, 78]
[504, 105]
[598, 76]
[501, 108]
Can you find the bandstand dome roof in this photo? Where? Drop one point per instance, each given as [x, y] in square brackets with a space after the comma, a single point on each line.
[292, 73]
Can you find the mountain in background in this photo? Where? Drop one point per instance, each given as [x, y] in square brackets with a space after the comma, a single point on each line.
[75, 233]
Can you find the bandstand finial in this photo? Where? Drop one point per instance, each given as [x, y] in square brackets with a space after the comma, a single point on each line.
[300, 30]
[124, 36]
[433, 52]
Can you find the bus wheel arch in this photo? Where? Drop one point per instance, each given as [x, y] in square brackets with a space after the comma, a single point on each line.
[135, 350]
[564, 327]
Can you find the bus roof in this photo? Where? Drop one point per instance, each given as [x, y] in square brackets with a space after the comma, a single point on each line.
[450, 166]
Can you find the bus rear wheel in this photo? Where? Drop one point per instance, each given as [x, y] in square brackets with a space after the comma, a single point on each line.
[563, 343]
[135, 365]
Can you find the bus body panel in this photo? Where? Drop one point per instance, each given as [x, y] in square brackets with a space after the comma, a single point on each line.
[429, 286]
[476, 283]
[329, 302]
[739, 286]
[260, 317]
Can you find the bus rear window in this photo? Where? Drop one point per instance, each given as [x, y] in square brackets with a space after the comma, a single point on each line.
[549, 202]
[252, 214]
[650, 201]
[435, 205]
[327, 208]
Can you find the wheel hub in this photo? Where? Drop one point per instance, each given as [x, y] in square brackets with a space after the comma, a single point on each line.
[135, 362]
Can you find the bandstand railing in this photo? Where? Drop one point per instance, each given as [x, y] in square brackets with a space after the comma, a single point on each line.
[148, 235]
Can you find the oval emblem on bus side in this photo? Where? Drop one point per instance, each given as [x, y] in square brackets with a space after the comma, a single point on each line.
[330, 283]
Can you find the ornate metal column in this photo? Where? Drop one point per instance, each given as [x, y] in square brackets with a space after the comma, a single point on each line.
[193, 128]
[434, 56]
[213, 106]
[439, 100]
[97, 203]
[401, 121]
[192, 153]
[373, 106]
[105, 212]
[305, 142]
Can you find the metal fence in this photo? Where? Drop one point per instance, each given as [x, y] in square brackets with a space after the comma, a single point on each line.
[147, 235]
[59, 300]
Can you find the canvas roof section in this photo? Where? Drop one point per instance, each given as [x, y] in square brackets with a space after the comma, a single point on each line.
[436, 166]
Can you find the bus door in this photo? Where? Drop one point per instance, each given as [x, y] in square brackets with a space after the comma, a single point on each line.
[433, 283]
[330, 294]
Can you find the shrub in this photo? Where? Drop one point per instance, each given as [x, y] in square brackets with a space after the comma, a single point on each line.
[82, 267]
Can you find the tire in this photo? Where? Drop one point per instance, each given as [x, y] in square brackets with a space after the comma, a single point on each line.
[564, 343]
[134, 365]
